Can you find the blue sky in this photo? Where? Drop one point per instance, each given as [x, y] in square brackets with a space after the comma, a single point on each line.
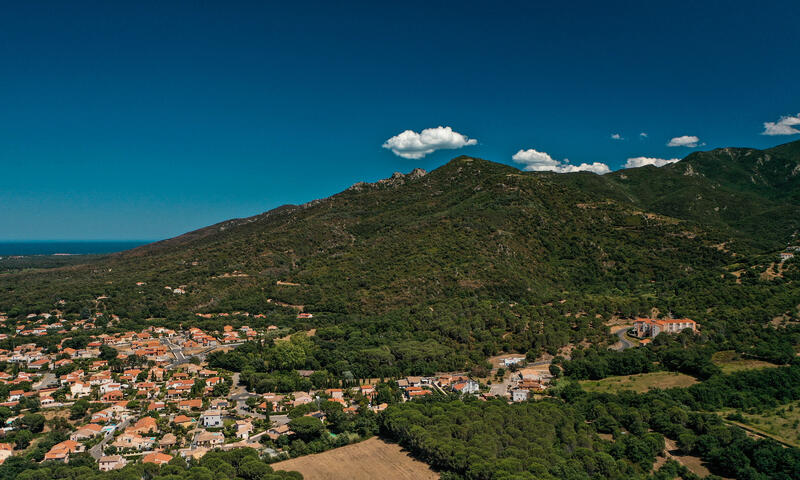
[145, 120]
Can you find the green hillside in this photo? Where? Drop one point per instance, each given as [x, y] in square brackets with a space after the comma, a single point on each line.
[473, 253]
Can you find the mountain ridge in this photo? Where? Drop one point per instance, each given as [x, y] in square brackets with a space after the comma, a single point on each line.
[469, 227]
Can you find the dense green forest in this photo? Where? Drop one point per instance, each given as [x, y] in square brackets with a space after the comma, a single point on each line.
[561, 439]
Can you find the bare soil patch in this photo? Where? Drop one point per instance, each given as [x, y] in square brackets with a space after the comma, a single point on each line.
[367, 460]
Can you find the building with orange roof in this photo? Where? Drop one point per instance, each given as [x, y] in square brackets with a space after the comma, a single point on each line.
[60, 452]
[651, 327]
[157, 457]
[144, 425]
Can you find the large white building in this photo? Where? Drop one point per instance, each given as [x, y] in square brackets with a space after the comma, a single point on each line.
[651, 327]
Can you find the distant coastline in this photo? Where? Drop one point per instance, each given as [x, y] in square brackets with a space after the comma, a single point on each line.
[22, 248]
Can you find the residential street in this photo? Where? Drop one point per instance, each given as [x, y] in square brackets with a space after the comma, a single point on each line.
[239, 395]
[97, 451]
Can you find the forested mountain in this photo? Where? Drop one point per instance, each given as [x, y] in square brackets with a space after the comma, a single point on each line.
[473, 253]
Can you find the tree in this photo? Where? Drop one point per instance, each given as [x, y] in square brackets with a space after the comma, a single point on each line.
[306, 428]
[253, 469]
[78, 409]
[32, 422]
[198, 388]
[108, 353]
[22, 439]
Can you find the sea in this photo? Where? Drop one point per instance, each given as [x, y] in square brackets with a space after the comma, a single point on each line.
[67, 247]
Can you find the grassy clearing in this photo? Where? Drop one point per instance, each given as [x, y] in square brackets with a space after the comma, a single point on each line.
[730, 361]
[638, 383]
[782, 423]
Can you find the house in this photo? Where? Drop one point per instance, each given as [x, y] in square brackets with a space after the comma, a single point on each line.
[144, 425]
[507, 362]
[184, 421]
[301, 398]
[209, 439]
[519, 395]
[157, 457]
[417, 392]
[786, 256]
[334, 393]
[466, 387]
[276, 432]
[168, 440]
[42, 363]
[111, 462]
[651, 327]
[243, 429]
[60, 452]
[86, 432]
[104, 415]
[414, 381]
[112, 396]
[212, 418]
[368, 391]
[194, 404]
[274, 400]
[133, 440]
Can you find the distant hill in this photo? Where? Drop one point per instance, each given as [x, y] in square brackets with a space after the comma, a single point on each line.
[469, 228]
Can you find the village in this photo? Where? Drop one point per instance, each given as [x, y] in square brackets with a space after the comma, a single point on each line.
[149, 396]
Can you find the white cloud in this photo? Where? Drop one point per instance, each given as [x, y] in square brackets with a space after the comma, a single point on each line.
[642, 161]
[411, 144]
[684, 141]
[536, 161]
[784, 126]
[643, 134]
[616, 136]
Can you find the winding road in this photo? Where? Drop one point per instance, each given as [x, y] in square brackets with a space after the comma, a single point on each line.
[624, 342]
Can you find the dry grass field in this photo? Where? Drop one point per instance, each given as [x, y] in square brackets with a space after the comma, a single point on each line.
[730, 361]
[638, 383]
[367, 460]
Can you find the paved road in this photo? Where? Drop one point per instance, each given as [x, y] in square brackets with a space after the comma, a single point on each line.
[48, 379]
[177, 352]
[180, 358]
[278, 420]
[624, 343]
[97, 451]
[239, 396]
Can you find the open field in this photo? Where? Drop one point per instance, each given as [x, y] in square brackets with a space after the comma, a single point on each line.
[782, 423]
[638, 383]
[731, 361]
[367, 460]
